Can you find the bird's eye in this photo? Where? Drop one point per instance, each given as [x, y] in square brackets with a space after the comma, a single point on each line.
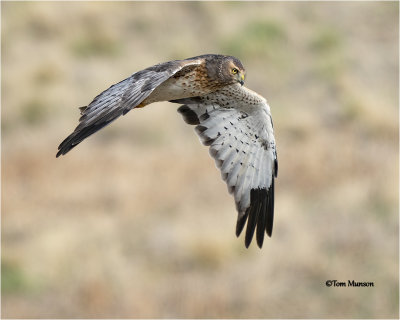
[234, 70]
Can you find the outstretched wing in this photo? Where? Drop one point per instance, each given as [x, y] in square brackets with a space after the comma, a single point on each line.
[237, 125]
[121, 98]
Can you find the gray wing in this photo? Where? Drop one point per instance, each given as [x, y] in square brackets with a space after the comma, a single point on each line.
[242, 143]
[120, 99]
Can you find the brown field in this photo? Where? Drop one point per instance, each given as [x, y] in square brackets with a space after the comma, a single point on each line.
[136, 221]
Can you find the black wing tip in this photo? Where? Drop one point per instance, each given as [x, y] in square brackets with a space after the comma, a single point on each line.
[240, 224]
[261, 223]
[270, 209]
[259, 215]
[81, 134]
[66, 146]
[64, 150]
[256, 200]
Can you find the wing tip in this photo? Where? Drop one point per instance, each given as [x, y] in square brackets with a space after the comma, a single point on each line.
[240, 223]
[259, 216]
[270, 209]
[65, 146]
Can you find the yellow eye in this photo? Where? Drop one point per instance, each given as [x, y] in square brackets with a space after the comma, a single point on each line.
[234, 70]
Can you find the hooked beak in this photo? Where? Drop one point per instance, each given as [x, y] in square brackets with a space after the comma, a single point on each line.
[241, 81]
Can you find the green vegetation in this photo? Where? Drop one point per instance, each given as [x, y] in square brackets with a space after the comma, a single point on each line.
[258, 38]
[95, 44]
[326, 40]
[13, 279]
[46, 74]
[34, 112]
[326, 45]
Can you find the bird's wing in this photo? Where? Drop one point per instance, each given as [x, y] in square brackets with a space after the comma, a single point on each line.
[238, 128]
[121, 98]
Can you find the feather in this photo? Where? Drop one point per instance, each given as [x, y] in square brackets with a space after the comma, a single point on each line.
[119, 99]
[242, 144]
[270, 209]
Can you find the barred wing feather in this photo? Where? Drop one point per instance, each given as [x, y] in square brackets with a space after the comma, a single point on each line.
[242, 143]
[119, 99]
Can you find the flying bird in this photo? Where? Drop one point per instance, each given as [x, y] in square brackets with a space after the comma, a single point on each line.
[234, 121]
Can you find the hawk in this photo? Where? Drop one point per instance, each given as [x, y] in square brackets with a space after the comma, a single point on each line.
[235, 122]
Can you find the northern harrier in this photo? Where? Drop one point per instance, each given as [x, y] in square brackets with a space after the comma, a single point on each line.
[232, 120]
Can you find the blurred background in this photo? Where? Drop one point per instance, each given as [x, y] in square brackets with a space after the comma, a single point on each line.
[136, 221]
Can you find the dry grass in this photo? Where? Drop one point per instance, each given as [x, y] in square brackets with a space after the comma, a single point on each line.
[136, 222]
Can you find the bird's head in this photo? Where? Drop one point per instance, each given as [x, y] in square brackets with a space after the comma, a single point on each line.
[225, 70]
[233, 70]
